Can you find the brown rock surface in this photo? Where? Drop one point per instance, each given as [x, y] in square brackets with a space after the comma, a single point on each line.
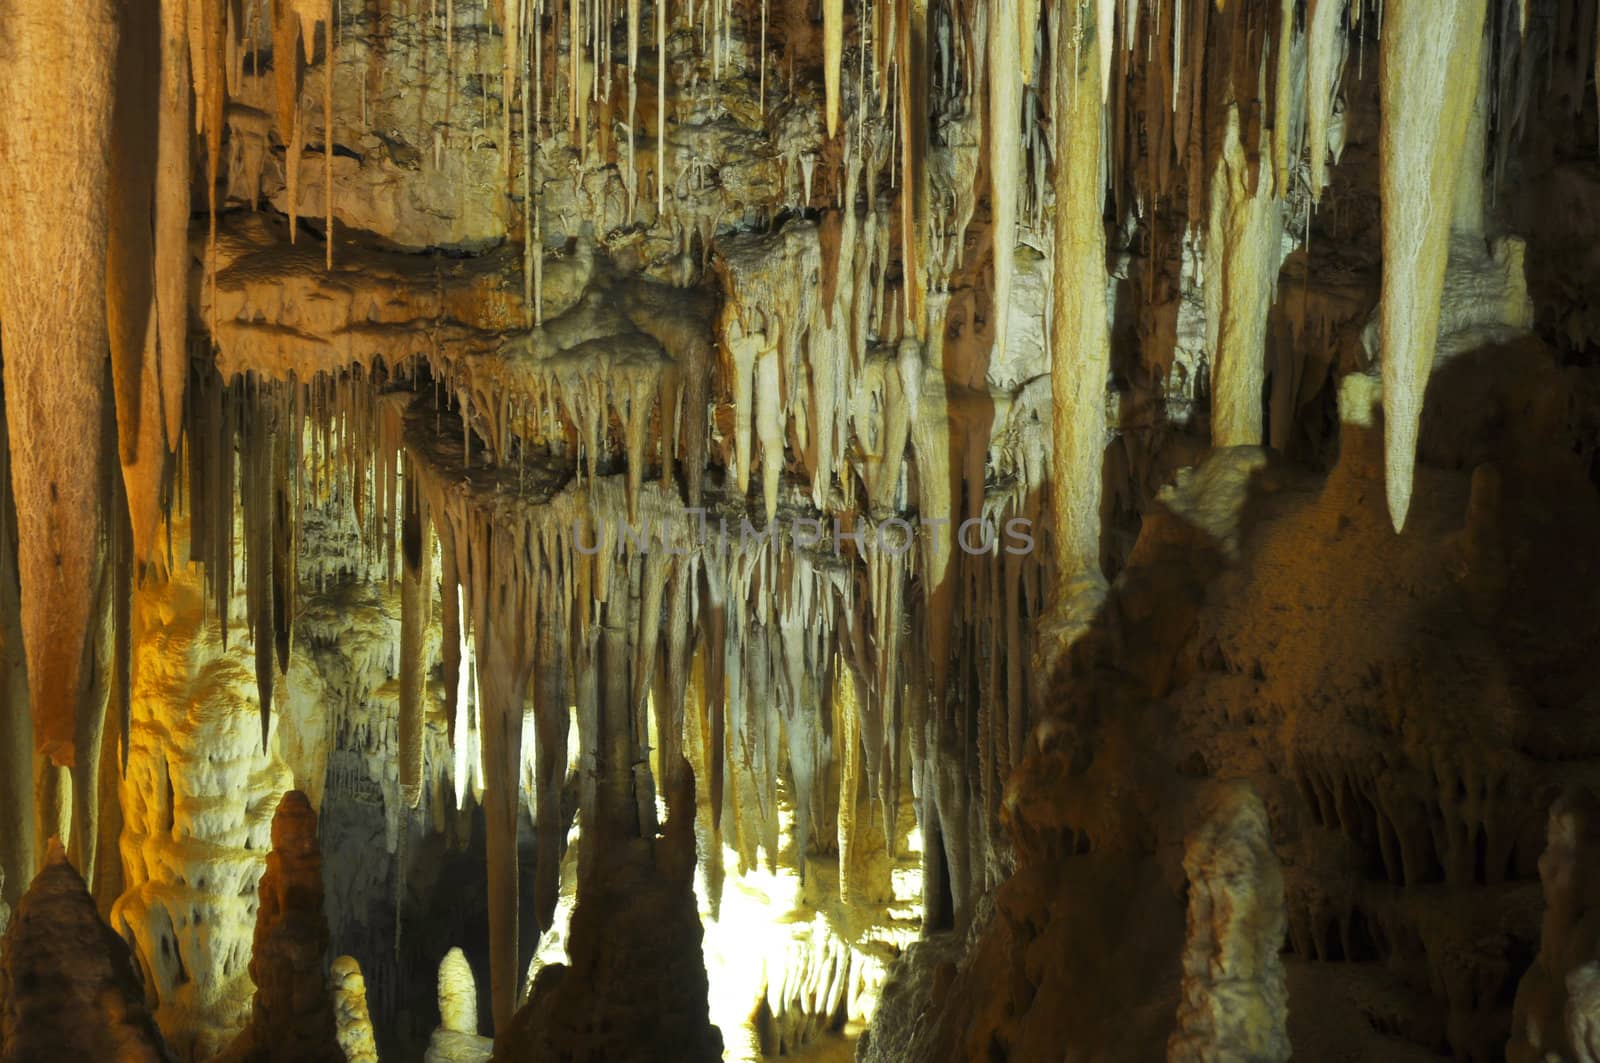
[68, 988]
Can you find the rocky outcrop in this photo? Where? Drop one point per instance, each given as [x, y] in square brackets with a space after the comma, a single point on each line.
[68, 988]
[293, 1015]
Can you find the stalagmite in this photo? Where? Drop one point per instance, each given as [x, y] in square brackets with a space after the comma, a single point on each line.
[1234, 994]
[1079, 330]
[292, 1015]
[458, 994]
[1243, 249]
[67, 986]
[56, 78]
[1548, 1016]
[1005, 153]
[1429, 84]
[354, 1024]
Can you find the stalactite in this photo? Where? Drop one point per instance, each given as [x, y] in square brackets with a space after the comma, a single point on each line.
[173, 181]
[1243, 249]
[1079, 330]
[259, 461]
[416, 596]
[1325, 56]
[130, 295]
[500, 618]
[911, 57]
[1005, 155]
[832, 60]
[1467, 215]
[286, 84]
[1429, 78]
[324, 12]
[661, 107]
[212, 103]
[56, 83]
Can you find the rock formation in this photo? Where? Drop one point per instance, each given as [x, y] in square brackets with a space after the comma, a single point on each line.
[67, 984]
[456, 1040]
[1234, 997]
[293, 1015]
[353, 1022]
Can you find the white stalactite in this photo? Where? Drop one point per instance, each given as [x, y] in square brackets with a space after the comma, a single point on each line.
[1429, 86]
[1325, 52]
[1244, 249]
[1005, 154]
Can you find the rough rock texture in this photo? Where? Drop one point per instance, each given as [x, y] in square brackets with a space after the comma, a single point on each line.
[292, 1017]
[68, 988]
[197, 800]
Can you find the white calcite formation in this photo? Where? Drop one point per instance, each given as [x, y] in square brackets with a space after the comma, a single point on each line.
[197, 804]
[354, 1023]
[1430, 74]
[456, 1040]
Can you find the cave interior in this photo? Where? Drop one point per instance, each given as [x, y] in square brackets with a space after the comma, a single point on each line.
[904, 531]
